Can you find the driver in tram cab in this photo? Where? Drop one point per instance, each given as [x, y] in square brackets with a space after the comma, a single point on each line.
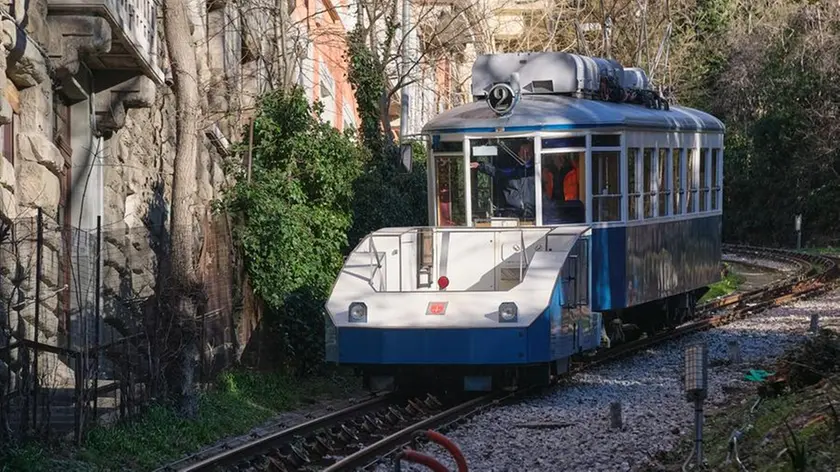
[516, 181]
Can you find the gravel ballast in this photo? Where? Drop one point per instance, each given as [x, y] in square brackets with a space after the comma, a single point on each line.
[650, 387]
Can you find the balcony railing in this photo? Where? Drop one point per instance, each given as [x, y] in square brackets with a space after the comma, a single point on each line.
[134, 27]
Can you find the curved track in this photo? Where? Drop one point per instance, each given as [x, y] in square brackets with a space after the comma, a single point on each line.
[366, 433]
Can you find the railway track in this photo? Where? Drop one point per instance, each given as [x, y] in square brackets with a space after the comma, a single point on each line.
[363, 434]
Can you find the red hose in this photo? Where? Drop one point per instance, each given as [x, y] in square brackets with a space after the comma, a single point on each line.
[422, 459]
[449, 446]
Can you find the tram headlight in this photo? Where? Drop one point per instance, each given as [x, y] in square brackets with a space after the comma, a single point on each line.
[357, 313]
[508, 312]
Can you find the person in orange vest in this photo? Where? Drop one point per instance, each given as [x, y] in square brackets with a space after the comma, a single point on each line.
[567, 168]
[570, 180]
[573, 210]
[561, 193]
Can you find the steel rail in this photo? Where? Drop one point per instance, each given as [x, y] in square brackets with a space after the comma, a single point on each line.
[268, 442]
[810, 278]
[807, 281]
[404, 435]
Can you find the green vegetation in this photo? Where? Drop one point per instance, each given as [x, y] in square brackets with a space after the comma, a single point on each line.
[767, 68]
[241, 400]
[771, 80]
[384, 195]
[768, 444]
[795, 427]
[728, 284]
[827, 250]
[314, 193]
[292, 220]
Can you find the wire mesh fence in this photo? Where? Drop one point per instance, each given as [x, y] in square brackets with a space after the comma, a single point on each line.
[83, 329]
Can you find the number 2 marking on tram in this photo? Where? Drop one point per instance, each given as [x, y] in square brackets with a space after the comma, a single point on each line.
[501, 98]
[501, 94]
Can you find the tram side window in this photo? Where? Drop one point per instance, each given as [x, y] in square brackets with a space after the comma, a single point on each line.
[662, 183]
[632, 184]
[450, 190]
[704, 184]
[677, 166]
[562, 188]
[606, 186]
[690, 180]
[649, 190]
[716, 179]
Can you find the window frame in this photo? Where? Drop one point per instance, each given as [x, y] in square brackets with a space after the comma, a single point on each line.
[663, 189]
[597, 196]
[674, 171]
[678, 181]
[692, 177]
[717, 179]
[326, 82]
[704, 187]
[634, 186]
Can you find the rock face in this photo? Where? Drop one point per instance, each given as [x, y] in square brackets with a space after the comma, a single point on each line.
[106, 149]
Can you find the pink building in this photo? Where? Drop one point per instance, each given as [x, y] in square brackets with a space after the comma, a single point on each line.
[324, 74]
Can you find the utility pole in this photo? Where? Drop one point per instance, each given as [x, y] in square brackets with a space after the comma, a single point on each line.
[405, 148]
[406, 65]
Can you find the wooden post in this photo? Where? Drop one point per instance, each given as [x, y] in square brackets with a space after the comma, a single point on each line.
[815, 323]
[734, 352]
[616, 420]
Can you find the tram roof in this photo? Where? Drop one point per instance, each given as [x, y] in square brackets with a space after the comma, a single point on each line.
[562, 113]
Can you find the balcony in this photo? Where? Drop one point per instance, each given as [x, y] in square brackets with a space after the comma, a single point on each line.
[133, 36]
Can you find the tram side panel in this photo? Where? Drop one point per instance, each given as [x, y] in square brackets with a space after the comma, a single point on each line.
[632, 265]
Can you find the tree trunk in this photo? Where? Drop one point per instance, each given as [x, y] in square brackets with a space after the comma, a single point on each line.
[385, 115]
[182, 292]
[285, 49]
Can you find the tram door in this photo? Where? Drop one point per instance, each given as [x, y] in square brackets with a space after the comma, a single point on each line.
[449, 176]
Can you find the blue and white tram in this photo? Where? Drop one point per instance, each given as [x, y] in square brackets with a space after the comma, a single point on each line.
[567, 203]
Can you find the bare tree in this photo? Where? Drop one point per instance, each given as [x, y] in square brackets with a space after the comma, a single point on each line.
[438, 29]
[635, 32]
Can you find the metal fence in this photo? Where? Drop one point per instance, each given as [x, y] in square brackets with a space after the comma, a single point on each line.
[82, 335]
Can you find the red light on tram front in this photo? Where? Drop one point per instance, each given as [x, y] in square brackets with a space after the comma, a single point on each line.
[443, 282]
[436, 308]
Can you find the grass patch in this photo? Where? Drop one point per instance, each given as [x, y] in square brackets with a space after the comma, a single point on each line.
[31, 457]
[241, 400]
[796, 428]
[728, 284]
[825, 251]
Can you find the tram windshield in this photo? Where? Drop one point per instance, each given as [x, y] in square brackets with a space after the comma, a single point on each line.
[502, 173]
[502, 182]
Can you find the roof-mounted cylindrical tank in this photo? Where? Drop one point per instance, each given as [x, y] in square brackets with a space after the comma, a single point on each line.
[552, 73]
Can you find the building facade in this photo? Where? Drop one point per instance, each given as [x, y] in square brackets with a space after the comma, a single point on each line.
[87, 122]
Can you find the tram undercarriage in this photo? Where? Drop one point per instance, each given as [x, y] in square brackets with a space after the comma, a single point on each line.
[647, 319]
